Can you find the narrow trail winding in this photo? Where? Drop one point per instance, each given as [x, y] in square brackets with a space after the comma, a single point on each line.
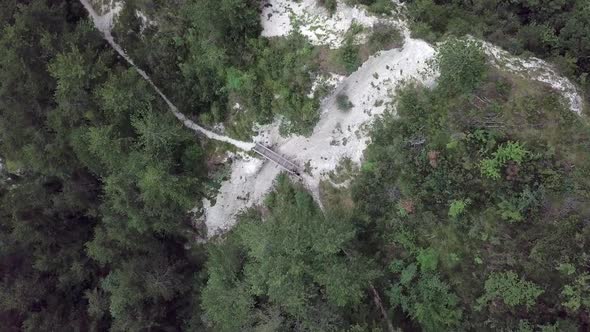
[104, 24]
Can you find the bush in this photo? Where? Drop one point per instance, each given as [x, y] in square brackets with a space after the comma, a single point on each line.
[343, 102]
[381, 7]
[330, 5]
[511, 151]
[462, 65]
[538, 38]
[421, 30]
[577, 294]
[490, 168]
[457, 207]
[276, 83]
[348, 56]
[384, 37]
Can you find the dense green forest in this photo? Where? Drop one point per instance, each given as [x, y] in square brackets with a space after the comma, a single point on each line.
[470, 211]
[94, 228]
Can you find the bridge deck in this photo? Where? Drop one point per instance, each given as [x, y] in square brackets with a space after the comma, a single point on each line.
[277, 159]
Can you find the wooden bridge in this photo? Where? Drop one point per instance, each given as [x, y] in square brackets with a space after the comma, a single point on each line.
[283, 162]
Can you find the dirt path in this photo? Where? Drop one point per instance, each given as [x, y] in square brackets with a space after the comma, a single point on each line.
[104, 23]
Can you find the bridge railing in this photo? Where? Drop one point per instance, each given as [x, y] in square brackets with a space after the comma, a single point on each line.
[283, 162]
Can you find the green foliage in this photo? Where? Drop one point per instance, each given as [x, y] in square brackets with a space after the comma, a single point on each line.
[462, 65]
[211, 57]
[457, 208]
[384, 37]
[157, 282]
[512, 290]
[348, 56]
[288, 258]
[380, 7]
[510, 212]
[95, 232]
[490, 168]
[114, 94]
[538, 38]
[103, 185]
[510, 151]
[224, 287]
[566, 268]
[343, 103]
[426, 299]
[330, 5]
[157, 132]
[428, 260]
[577, 294]
[69, 70]
[219, 33]
[276, 83]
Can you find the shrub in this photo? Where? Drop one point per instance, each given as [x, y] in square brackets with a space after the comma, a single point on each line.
[490, 168]
[275, 84]
[424, 31]
[428, 259]
[577, 294]
[509, 211]
[427, 299]
[348, 56]
[511, 151]
[457, 207]
[538, 38]
[384, 37]
[330, 5]
[343, 103]
[462, 65]
[382, 7]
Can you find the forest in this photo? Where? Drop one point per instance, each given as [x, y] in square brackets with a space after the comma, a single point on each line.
[469, 212]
